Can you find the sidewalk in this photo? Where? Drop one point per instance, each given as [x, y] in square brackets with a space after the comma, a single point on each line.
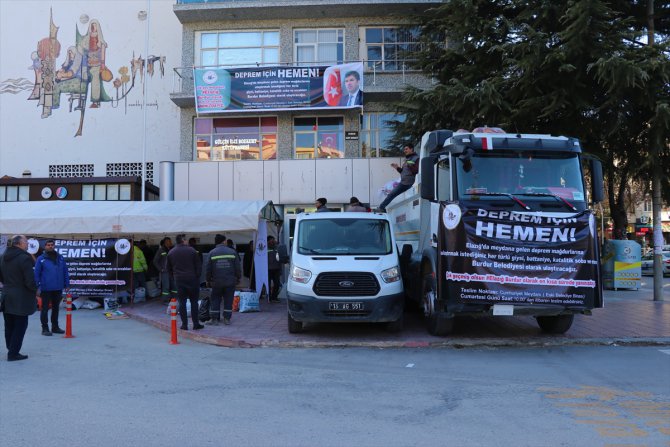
[629, 317]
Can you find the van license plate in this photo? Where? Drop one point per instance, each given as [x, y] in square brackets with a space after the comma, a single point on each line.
[345, 306]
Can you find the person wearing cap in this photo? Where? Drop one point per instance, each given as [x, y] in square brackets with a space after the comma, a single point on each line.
[321, 205]
[355, 206]
[223, 272]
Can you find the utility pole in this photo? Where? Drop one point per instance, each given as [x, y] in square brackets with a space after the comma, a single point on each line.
[655, 141]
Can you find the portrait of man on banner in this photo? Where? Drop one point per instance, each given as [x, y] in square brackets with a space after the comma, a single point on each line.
[343, 85]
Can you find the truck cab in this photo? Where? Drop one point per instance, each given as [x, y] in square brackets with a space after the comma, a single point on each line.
[499, 224]
[344, 268]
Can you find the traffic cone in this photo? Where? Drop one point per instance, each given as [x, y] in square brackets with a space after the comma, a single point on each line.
[173, 317]
[68, 317]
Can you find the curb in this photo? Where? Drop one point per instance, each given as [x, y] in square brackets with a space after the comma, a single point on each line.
[463, 343]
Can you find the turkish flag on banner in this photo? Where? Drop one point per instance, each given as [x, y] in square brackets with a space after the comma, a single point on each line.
[332, 91]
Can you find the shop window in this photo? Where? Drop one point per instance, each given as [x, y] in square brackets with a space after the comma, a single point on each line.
[238, 48]
[377, 133]
[319, 46]
[321, 137]
[239, 138]
[105, 192]
[389, 48]
[13, 193]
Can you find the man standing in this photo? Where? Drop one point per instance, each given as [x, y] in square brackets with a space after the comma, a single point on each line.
[51, 278]
[407, 171]
[16, 273]
[139, 268]
[355, 94]
[223, 272]
[321, 205]
[356, 206]
[185, 266]
[274, 270]
[168, 288]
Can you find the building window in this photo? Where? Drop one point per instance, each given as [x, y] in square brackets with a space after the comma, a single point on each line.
[130, 169]
[646, 207]
[319, 46]
[13, 193]
[233, 139]
[105, 192]
[238, 48]
[321, 137]
[61, 171]
[389, 48]
[376, 135]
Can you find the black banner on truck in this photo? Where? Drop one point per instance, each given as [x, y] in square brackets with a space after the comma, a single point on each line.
[506, 257]
[97, 267]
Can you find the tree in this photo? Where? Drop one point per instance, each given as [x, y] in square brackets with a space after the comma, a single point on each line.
[568, 67]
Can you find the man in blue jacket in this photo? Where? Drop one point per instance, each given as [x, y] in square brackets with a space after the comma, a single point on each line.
[51, 277]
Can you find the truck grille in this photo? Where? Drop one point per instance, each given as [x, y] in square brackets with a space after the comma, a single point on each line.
[346, 284]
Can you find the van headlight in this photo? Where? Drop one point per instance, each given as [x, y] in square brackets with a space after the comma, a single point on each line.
[391, 275]
[300, 275]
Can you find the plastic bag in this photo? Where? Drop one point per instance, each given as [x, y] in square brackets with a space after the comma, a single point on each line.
[249, 302]
[236, 302]
[203, 310]
[90, 305]
[140, 295]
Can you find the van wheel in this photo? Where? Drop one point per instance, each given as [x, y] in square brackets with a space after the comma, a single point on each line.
[294, 327]
[395, 326]
[556, 324]
[437, 322]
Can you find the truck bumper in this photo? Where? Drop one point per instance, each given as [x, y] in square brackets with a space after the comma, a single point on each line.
[310, 309]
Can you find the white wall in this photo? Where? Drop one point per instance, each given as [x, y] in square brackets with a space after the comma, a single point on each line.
[112, 133]
[294, 182]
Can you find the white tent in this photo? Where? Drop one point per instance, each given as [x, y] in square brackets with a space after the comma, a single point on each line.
[147, 220]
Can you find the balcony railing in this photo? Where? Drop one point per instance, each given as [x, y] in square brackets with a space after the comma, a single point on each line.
[183, 76]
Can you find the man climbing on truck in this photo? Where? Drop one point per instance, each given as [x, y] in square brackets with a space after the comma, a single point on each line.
[407, 171]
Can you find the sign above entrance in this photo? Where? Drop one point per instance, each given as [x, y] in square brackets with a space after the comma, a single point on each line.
[258, 89]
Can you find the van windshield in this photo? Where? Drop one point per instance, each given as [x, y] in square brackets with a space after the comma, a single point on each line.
[344, 237]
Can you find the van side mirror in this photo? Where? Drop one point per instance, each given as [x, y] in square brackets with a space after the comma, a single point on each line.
[282, 252]
[428, 177]
[597, 188]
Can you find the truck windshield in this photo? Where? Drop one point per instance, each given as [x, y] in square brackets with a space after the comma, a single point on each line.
[344, 237]
[533, 175]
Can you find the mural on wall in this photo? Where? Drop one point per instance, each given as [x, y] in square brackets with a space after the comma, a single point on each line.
[83, 79]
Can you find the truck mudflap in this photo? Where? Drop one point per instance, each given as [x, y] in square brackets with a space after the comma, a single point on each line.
[532, 263]
[308, 309]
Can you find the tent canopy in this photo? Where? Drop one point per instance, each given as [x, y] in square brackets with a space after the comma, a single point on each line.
[149, 220]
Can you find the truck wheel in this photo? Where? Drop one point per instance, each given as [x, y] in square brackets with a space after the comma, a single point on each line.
[395, 326]
[556, 324]
[294, 327]
[437, 322]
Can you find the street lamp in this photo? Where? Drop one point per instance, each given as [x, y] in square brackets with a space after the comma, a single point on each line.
[142, 16]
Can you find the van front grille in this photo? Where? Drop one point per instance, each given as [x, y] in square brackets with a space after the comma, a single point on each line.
[346, 284]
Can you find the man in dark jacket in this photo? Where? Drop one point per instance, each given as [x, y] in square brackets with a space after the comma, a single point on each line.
[407, 171]
[274, 270]
[168, 287]
[18, 294]
[51, 277]
[184, 265]
[223, 272]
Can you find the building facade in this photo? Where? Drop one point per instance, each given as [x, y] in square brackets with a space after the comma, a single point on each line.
[298, 153]
[79, 98]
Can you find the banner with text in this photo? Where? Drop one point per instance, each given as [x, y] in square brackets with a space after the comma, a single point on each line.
[505, 257]
[278, 88]
[97, 267]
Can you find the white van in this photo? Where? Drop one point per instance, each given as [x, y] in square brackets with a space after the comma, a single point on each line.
[344, 268]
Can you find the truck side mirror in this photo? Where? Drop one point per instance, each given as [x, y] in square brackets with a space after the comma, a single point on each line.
[597, 189]
[428, 178]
